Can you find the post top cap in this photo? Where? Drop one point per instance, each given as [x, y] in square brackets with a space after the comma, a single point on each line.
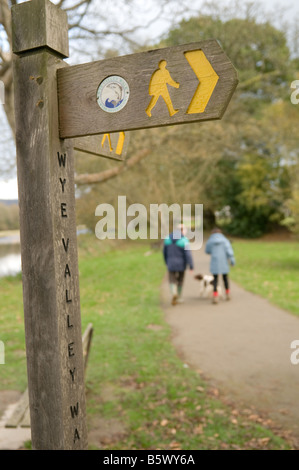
[39, 23]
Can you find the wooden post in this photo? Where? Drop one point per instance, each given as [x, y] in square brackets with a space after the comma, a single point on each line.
[48, 232]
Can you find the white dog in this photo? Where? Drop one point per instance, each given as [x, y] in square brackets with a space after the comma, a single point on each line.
[206, 286]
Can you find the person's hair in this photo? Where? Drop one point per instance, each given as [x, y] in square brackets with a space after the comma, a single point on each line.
[216, 230]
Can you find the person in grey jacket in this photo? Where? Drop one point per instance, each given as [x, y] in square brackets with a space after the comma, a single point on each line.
[222, 254]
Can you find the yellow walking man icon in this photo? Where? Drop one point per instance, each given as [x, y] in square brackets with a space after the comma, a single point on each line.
[158, 87]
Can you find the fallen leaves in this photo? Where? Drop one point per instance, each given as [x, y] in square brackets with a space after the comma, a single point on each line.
[258, 444]
[175, 446]
[183, 418]
[198, 429]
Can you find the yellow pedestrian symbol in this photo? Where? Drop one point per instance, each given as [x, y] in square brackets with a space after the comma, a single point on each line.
[158, 87]
[107, 136]
[120, 142]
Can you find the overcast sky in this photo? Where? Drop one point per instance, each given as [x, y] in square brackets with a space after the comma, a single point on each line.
[286, 9]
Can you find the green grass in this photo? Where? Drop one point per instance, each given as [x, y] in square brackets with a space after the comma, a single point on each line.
[135, 377]
[140, 395]
[270, 269]
[13, 373]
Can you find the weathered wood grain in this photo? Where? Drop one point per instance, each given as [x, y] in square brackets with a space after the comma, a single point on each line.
[48, 247]
[19, 411]
[21, 414]
[80, 114]
[100, 146]
[86, 340]
[37, 29]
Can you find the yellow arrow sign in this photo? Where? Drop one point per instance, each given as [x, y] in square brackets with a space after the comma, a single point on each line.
[207, 77]
[175, 85]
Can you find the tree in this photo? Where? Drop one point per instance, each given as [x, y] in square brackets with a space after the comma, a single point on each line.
[197, 163]
[242, 162]
[96, 29]
[249, 168]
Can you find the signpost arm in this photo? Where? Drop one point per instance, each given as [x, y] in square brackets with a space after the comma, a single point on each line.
[48, 232]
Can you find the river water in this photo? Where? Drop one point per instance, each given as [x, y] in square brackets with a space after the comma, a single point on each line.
[10, 256]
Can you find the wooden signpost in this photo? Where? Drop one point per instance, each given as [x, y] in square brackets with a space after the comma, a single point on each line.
[175, 85]
[54, 103]
[48, 232]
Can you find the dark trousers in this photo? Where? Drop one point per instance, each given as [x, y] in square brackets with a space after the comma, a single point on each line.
[225, 280]
[176, 277]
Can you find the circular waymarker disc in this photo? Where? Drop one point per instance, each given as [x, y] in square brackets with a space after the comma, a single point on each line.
[113, 94]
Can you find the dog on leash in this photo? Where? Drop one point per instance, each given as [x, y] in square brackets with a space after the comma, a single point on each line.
[206, 286]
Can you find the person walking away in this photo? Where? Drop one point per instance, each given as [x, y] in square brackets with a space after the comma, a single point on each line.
[177, 257]
[222, 254]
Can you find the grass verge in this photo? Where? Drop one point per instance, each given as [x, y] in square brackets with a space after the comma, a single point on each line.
[269, 269]
[139, 393]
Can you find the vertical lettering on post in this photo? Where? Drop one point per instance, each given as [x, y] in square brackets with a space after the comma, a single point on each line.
[63, 209]
[67, 271]
[62, 183]
[61, 159]
[76, 435]
[67, 279]
[65, 244]
[72, 372]
[74, 410]
[68, 300]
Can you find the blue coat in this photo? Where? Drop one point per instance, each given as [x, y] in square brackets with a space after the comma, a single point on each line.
[176, 253]
[220, 249]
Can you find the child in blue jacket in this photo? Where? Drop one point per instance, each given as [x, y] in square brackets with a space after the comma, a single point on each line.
[177, 257]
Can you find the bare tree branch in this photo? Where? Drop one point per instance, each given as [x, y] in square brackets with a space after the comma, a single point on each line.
[79, 4]
[112, 172]
[5, 18]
